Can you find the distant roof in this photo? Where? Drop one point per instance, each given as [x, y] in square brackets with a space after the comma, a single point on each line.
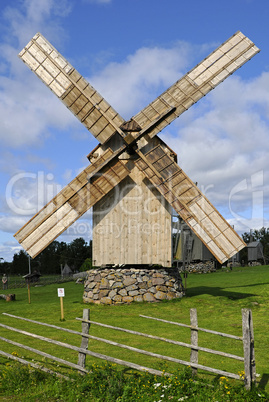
[66, 269]
[254, 244]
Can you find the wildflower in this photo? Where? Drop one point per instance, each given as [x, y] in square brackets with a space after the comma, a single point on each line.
[222, 379]
[157, 385]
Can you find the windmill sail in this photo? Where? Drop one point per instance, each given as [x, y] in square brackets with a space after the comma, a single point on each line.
[221, 63]
[187, 200]
[69, 205]
[91, 109]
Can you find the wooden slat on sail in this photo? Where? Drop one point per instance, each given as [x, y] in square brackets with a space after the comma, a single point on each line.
[187, 200]
[74, 91]
[221, 63]
[71, 203]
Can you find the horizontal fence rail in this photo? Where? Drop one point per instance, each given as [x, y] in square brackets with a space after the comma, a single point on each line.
[82, 351]
[20, 282]
[247, 340]
[209, 331]
[34, 365]
[158, 338]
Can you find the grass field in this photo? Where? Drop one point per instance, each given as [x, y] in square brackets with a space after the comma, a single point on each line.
[218, 298]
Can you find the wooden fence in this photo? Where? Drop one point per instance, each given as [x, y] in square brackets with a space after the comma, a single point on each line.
[18, 282]
[247, 340]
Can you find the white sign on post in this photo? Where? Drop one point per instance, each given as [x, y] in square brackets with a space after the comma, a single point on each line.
[60, 292]
[61, 295]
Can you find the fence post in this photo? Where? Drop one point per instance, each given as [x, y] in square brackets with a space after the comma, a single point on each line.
[248, 345]
[85, 339]
[194, 338]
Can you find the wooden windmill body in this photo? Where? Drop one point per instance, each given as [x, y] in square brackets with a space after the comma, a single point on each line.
[132, 223]
[133, 181]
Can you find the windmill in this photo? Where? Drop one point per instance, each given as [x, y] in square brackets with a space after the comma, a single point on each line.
[132, 167]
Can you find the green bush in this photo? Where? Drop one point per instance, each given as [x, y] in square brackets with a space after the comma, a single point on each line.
[86, 266]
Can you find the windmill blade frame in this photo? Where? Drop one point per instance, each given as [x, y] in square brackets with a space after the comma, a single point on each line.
[188, 201]
[199, 81]
[69, 205]
[90, 108]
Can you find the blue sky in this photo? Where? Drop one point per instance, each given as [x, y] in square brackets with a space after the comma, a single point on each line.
[131, 51]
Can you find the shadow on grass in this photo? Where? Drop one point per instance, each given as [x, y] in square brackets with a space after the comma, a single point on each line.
[248, 286]
[264, 381]
[216, 291]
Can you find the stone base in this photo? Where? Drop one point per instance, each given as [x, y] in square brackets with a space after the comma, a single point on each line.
[127, 285]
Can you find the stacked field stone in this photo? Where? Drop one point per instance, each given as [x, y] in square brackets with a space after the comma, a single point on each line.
[200, 267]
[117, 286]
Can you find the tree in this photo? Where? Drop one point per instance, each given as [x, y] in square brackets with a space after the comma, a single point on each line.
[20, 263]
[86, 266]
[62, 251]
[78, 251]
[5, 267]
[49, 261]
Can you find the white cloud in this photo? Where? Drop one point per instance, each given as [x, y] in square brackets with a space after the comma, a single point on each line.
[27, 192]
[130, 85]
[11, 224]
[27, 109]
[8, 250]
[34, 16]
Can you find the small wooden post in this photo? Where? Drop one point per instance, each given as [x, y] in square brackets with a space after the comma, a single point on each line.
[85, 339]
[194, 338]
[62, 308]
[248, 345]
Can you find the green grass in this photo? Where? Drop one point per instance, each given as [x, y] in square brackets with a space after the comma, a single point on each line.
[107, 384]
[218, 298]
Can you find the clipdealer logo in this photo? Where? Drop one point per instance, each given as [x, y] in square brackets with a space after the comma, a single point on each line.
[27, 192]
[254, 186]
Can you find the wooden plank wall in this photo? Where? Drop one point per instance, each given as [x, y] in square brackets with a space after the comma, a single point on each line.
[132, 225]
